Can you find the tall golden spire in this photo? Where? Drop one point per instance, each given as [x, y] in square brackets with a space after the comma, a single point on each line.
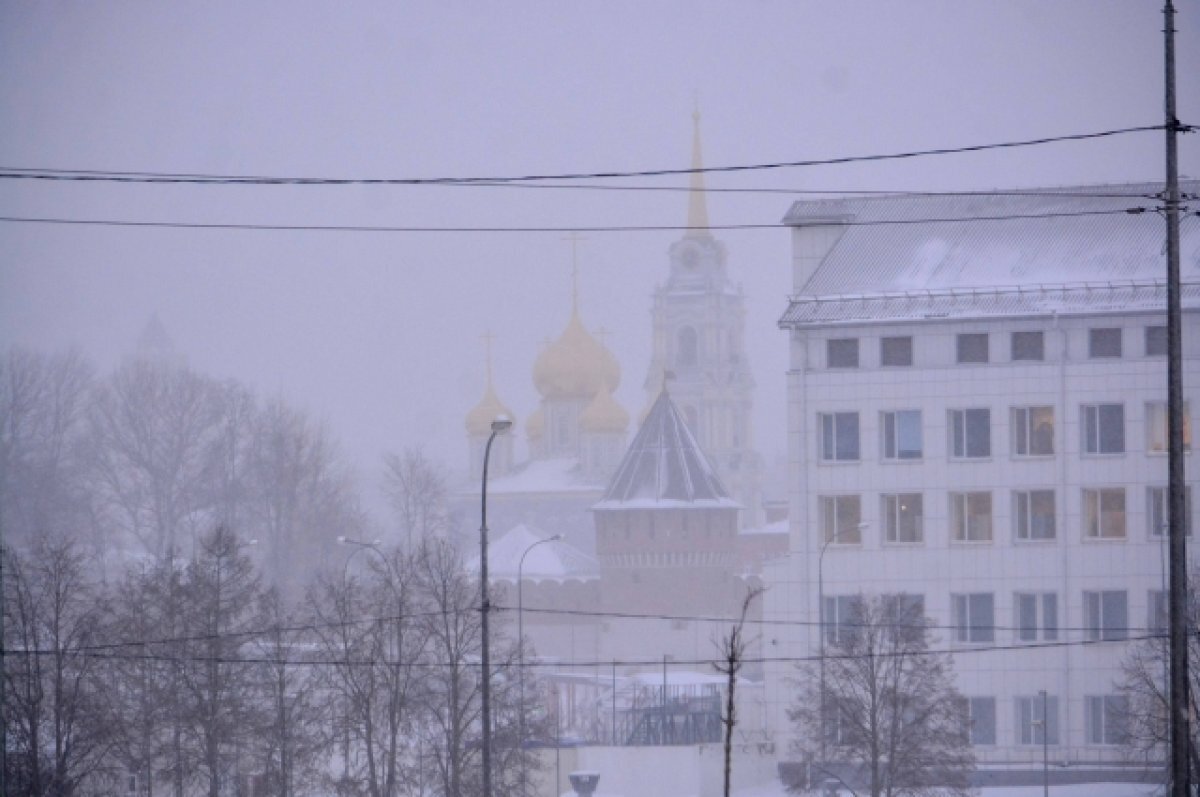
[697, 204]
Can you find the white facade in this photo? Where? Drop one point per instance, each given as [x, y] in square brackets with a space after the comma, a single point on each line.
[997, 450]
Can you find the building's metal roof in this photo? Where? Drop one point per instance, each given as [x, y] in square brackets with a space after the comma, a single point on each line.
[1066, 250]
[665, 467]
[900, 243]
[1010, 302]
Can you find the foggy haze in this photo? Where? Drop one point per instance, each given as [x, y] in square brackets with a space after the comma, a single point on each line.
[379, 333]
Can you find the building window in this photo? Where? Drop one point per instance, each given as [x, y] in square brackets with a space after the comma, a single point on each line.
[1105, 615]
[1033, 514]
[1033, 431]
[903, 517]
[1036, 616]
[971, 516]
[1104, 513]
[1158, 510]
[1104, 342]
[896, 351]
[839, 436]
[972, 347]
[689, 348]
[1104, 428]
[1106, 719]
[1156, 341]
[970, 433]
[841, 516]
[1158, 613]
[973, 618]
[905, 608]
[981, 712]
[902, 434]
[841, 352]
[1033, 726]
[1156, 427]
[840, 614]
[1028, 346]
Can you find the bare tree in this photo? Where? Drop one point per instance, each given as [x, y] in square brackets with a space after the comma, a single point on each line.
[289, 737]
[732, 648]
[43, 401]
[153, 430]
[368, 628]
[889, 710]
[222, 591]
[1146, 691]
[297, 496]
[416, 489]
[55, 720]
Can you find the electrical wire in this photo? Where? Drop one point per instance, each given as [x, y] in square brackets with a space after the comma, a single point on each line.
[557, 230]
[93, 175]
[965, 648]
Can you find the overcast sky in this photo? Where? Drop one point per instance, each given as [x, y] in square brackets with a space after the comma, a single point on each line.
[378, 334]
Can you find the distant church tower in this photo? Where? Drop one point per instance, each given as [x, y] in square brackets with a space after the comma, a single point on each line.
[699, 319]
[479, 429]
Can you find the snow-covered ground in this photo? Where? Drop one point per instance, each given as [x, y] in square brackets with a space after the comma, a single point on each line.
[1075, 790]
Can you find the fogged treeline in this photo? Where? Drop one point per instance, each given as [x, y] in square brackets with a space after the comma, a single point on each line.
[168, 628]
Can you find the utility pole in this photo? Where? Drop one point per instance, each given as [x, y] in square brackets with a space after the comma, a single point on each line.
[1179, 733]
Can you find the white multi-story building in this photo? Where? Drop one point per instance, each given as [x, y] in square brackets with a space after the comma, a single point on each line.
[976, 395]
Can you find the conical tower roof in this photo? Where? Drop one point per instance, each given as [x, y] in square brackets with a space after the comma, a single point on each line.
[665, 467]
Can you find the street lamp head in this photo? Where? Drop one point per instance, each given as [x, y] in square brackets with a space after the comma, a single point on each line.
[557, 537]
[341, 539]
[502, 424]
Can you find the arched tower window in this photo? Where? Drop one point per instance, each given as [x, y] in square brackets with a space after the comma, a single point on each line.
[687, 353]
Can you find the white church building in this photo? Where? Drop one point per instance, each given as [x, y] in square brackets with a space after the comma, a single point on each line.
[976, 395]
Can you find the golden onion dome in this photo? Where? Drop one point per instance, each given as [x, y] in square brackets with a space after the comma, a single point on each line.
[479, 419]
[576, 365]
[604, 414]
[536, 425]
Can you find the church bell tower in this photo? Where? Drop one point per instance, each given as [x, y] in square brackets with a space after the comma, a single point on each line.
[699, 320]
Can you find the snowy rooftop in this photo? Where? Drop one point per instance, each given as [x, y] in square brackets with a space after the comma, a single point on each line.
[665, 467]
[911, 244]
[552, 561]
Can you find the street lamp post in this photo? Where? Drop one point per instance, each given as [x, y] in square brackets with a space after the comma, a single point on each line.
[521, 648]
[835, 537]
[499, 426]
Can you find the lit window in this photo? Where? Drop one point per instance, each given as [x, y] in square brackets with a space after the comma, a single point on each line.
[1104, 428]
[1037, 616]
[1033, 431]
[1033, 726]
[1033, 514]
[1156, 341]
[981, 711]
[1104, 342]
[896, 351]
[842, 352]
[902, 434]
[972, 347]
[970, 433]
[1028, 346]
[971, 516]
[903, 517]
[1158, 511]
[1106, 719]
[1104, 513]
[841, 516]
[1156, 427]
[974, 617]
[839, 436]
[1105, 615]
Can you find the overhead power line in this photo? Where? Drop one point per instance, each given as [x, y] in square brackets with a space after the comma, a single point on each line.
[648, 662]
[95, 175]
[366, 228]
